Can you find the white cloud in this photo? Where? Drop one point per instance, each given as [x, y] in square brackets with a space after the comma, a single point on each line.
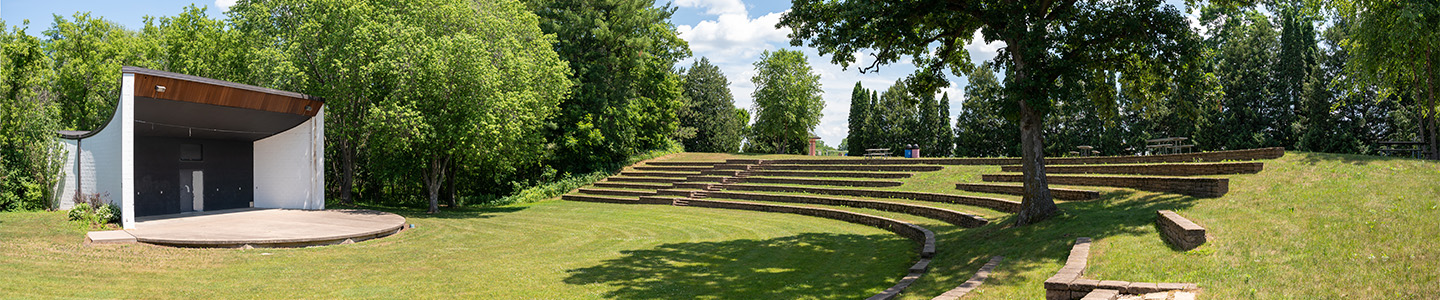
[734, 36]
[224, 5]
[715, 7]
[981, 51]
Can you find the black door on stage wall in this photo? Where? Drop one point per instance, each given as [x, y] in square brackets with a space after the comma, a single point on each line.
[175, 175]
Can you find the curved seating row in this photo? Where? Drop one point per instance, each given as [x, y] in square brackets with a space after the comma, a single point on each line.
[991, 203]
[1058, 193]
[1175, 169]
[949, 216]
[1192, 186]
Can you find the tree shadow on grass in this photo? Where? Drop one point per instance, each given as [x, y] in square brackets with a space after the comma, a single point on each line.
[451, 213]
[962, 251]
[809, 265]
[1354, 159]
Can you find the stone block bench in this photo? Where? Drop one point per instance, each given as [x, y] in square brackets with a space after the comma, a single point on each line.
[1058, 193]
[991, 203]
[685, 163]
[1183, 169]
[830, 174]
[1067, 284]
[830, 182]
[1179, 231]
[1198, 187]
[870, 168]
[949, 216]
[605, 192]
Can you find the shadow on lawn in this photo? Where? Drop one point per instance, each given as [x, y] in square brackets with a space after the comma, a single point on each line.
[809, 265]
[1354, 159]
[1027, 248]
[445, 213]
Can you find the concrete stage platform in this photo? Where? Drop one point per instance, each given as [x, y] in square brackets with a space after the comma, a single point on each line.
[261, 228]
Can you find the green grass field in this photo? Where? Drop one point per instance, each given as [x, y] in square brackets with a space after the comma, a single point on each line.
[1311, 226]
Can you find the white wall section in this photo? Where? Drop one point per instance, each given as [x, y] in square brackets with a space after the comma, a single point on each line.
[289, 167]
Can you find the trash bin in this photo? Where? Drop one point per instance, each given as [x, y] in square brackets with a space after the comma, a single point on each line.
[912, 151]
[907, 153]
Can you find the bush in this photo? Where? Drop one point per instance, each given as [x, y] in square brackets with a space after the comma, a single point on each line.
[94, 210]
[570, 182]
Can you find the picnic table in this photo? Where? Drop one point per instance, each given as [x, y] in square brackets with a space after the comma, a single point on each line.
[877, 152]
[1167, 145]
[1390, 147]
[1087, 150]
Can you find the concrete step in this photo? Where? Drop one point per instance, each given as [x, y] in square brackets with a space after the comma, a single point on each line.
[109, 237]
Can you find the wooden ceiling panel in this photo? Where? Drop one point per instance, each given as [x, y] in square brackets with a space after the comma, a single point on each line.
[215, 92]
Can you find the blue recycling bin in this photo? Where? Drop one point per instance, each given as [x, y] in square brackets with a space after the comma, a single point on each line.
[909, 153]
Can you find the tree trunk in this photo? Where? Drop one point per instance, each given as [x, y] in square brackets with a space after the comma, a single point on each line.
[1037, 205]
[450, 186]
[434, 179]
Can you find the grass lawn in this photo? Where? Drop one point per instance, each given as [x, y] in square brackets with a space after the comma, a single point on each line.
[548, 250]
[1311, 226]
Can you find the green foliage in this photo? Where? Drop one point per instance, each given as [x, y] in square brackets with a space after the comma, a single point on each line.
[192, 43]
[787, 103]
[626, 98]
[859, 119]
[945, 140]
[568, 183]
[92, 210]
[981, 130]
[30, 158]
[1394, 47]
[88, 53]
[709, 110]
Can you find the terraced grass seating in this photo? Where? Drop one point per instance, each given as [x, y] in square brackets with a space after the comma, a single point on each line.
[1213, 156]
[973, 283]
[920, 235]
[706, 179]
[672, 168]
[1067, 284]
[991, 203]
[679, 193]
[645, 179]
[657, 174]
[949, 216]
[872, 168]
[1179, 231]
[628, 185]
[684, 163]
[726, 173]
[1198, 187]
[1058, 193]
[744, 161]
[1160, 169]
[830, 174]
[733, 167]
[831, 182]
[628, 193]
[693, 185]
[601, 199]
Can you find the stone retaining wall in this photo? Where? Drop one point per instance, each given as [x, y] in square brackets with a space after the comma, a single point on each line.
[830, 182]
[1058, 193]
[1213, 156]
[627, 185]
[991, 203]
[693, 185]
[645, 179]
[601, 199]
[627, 193]
[949, 216]
[684, 163]
[829, 174]
[873, 168]
[657, 174]
[1179, 231]
[1067, 284]
[1162, 169]
[673, 168]
[1198, 187]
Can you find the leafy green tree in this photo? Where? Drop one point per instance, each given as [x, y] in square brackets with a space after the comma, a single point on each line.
[626, 98]
[982, 129]
[787, 102]
[192, 43]
[88, 53]
[894, 122]
[472, 94]
[1046, 42]
[709, 110]
[1394, 46]
[855, 140]
[946, 141]
[1293, 68]
[1245, 42]
[324, 48]
[30, 158]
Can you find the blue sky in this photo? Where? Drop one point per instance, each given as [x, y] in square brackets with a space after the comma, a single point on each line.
[731, 33]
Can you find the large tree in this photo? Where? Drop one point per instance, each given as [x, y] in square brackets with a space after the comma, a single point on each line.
[946, 140]
[472, 85]
[981, 128]
[29, 155]
[787, 102]
[626, 97]
[710, 111]
[1395, 45]
[1046, 42]
[88, 53]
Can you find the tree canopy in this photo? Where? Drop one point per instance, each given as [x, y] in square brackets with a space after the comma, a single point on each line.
[787, 102]
[710, 110]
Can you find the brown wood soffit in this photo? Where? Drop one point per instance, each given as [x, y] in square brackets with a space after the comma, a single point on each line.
[180, 87]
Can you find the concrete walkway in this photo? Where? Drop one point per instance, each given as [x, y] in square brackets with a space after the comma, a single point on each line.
[251, 227]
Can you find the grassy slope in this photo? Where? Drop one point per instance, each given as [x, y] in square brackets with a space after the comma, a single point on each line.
[1314, 226]
[1311, 226]
[548, 250]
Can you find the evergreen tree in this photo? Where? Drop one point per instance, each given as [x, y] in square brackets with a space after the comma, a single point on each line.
[855, 140]
[709, 110]
[946, 147]
[1245, 41]
[982, 129]
[1292, 71]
